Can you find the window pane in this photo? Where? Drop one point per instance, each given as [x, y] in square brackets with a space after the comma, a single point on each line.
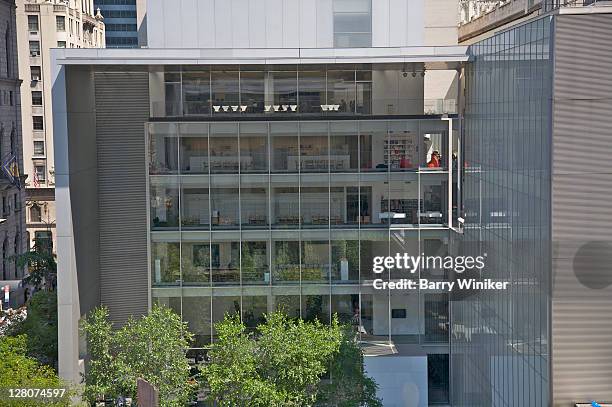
[225, 96]
[224, 201]
[252, 85]
[165, 263]
[314, 149]
[164, 193]
[353, 22]
[196, 263]
[254, 263]
[196, 93]
[254, 202]
[341, 91]
[163, 146]
[223, 148]
[225, 261]
[194, 148]
[285, 152]
[352, 40]
[285, 261]
[283, 90]
[254, 147]
[39, 147]
[312, 91]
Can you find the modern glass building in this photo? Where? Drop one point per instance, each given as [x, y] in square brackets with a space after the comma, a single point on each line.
[120, 21]
[274, 187]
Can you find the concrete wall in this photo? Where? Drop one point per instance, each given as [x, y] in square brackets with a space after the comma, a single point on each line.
[581, 210]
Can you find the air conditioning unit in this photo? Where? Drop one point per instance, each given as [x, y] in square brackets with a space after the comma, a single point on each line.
[34, 54]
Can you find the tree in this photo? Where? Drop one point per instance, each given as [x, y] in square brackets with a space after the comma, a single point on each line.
[349, 385]
[17, 370]
[42, 267]
[283, 363]
[152, 347]
[40, 327]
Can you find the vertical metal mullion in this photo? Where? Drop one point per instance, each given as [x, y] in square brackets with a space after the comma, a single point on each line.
[329, 241]
[359, 284]
[210, 104]
[449, 159]
[269, 198]
[180, 208]
[299, 167]
[210, 271]
[389, 228]
[239, 208]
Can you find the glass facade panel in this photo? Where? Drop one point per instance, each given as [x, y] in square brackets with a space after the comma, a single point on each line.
[285, 261]
[284, 147]
[232, 233]
[289, 90]
[224, 156]
[196, 93]
[225, 259]
[165, 263]
[506, 188]
[225, 90]
[344, 147]
[164, 203]
[314, 147]
[195, 263]
[254, 147]
[163, 148]
[312, 91]
[252, 91]
[194, 148]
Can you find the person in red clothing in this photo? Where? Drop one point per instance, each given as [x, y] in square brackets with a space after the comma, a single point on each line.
[435, 160]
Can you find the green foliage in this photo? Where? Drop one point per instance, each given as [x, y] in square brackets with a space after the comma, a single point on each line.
[283, 364]
[17, 370]
[152, 347]
[40, 327]
[349, 386]
[42, 268]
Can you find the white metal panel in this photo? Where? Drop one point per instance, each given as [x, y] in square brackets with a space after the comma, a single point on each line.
[380, 23]
[415, 23]
[397, 22]
[240, 23]
[189, 23]
[223, 24]
[257, 24]
[206, 23]
[155, 18]
[325, 24]
[274, 23]
[172, 19]
[291, 24]
[308, 24]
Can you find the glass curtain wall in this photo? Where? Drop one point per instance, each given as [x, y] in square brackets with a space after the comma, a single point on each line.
[499, 337]
[249, 217]
[289, 90]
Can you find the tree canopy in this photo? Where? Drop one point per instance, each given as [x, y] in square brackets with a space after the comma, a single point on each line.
[286, 362]
[152, 347]
[17, 370]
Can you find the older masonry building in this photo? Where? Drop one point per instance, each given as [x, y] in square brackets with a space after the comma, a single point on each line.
[12, 221]
[41, 26]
